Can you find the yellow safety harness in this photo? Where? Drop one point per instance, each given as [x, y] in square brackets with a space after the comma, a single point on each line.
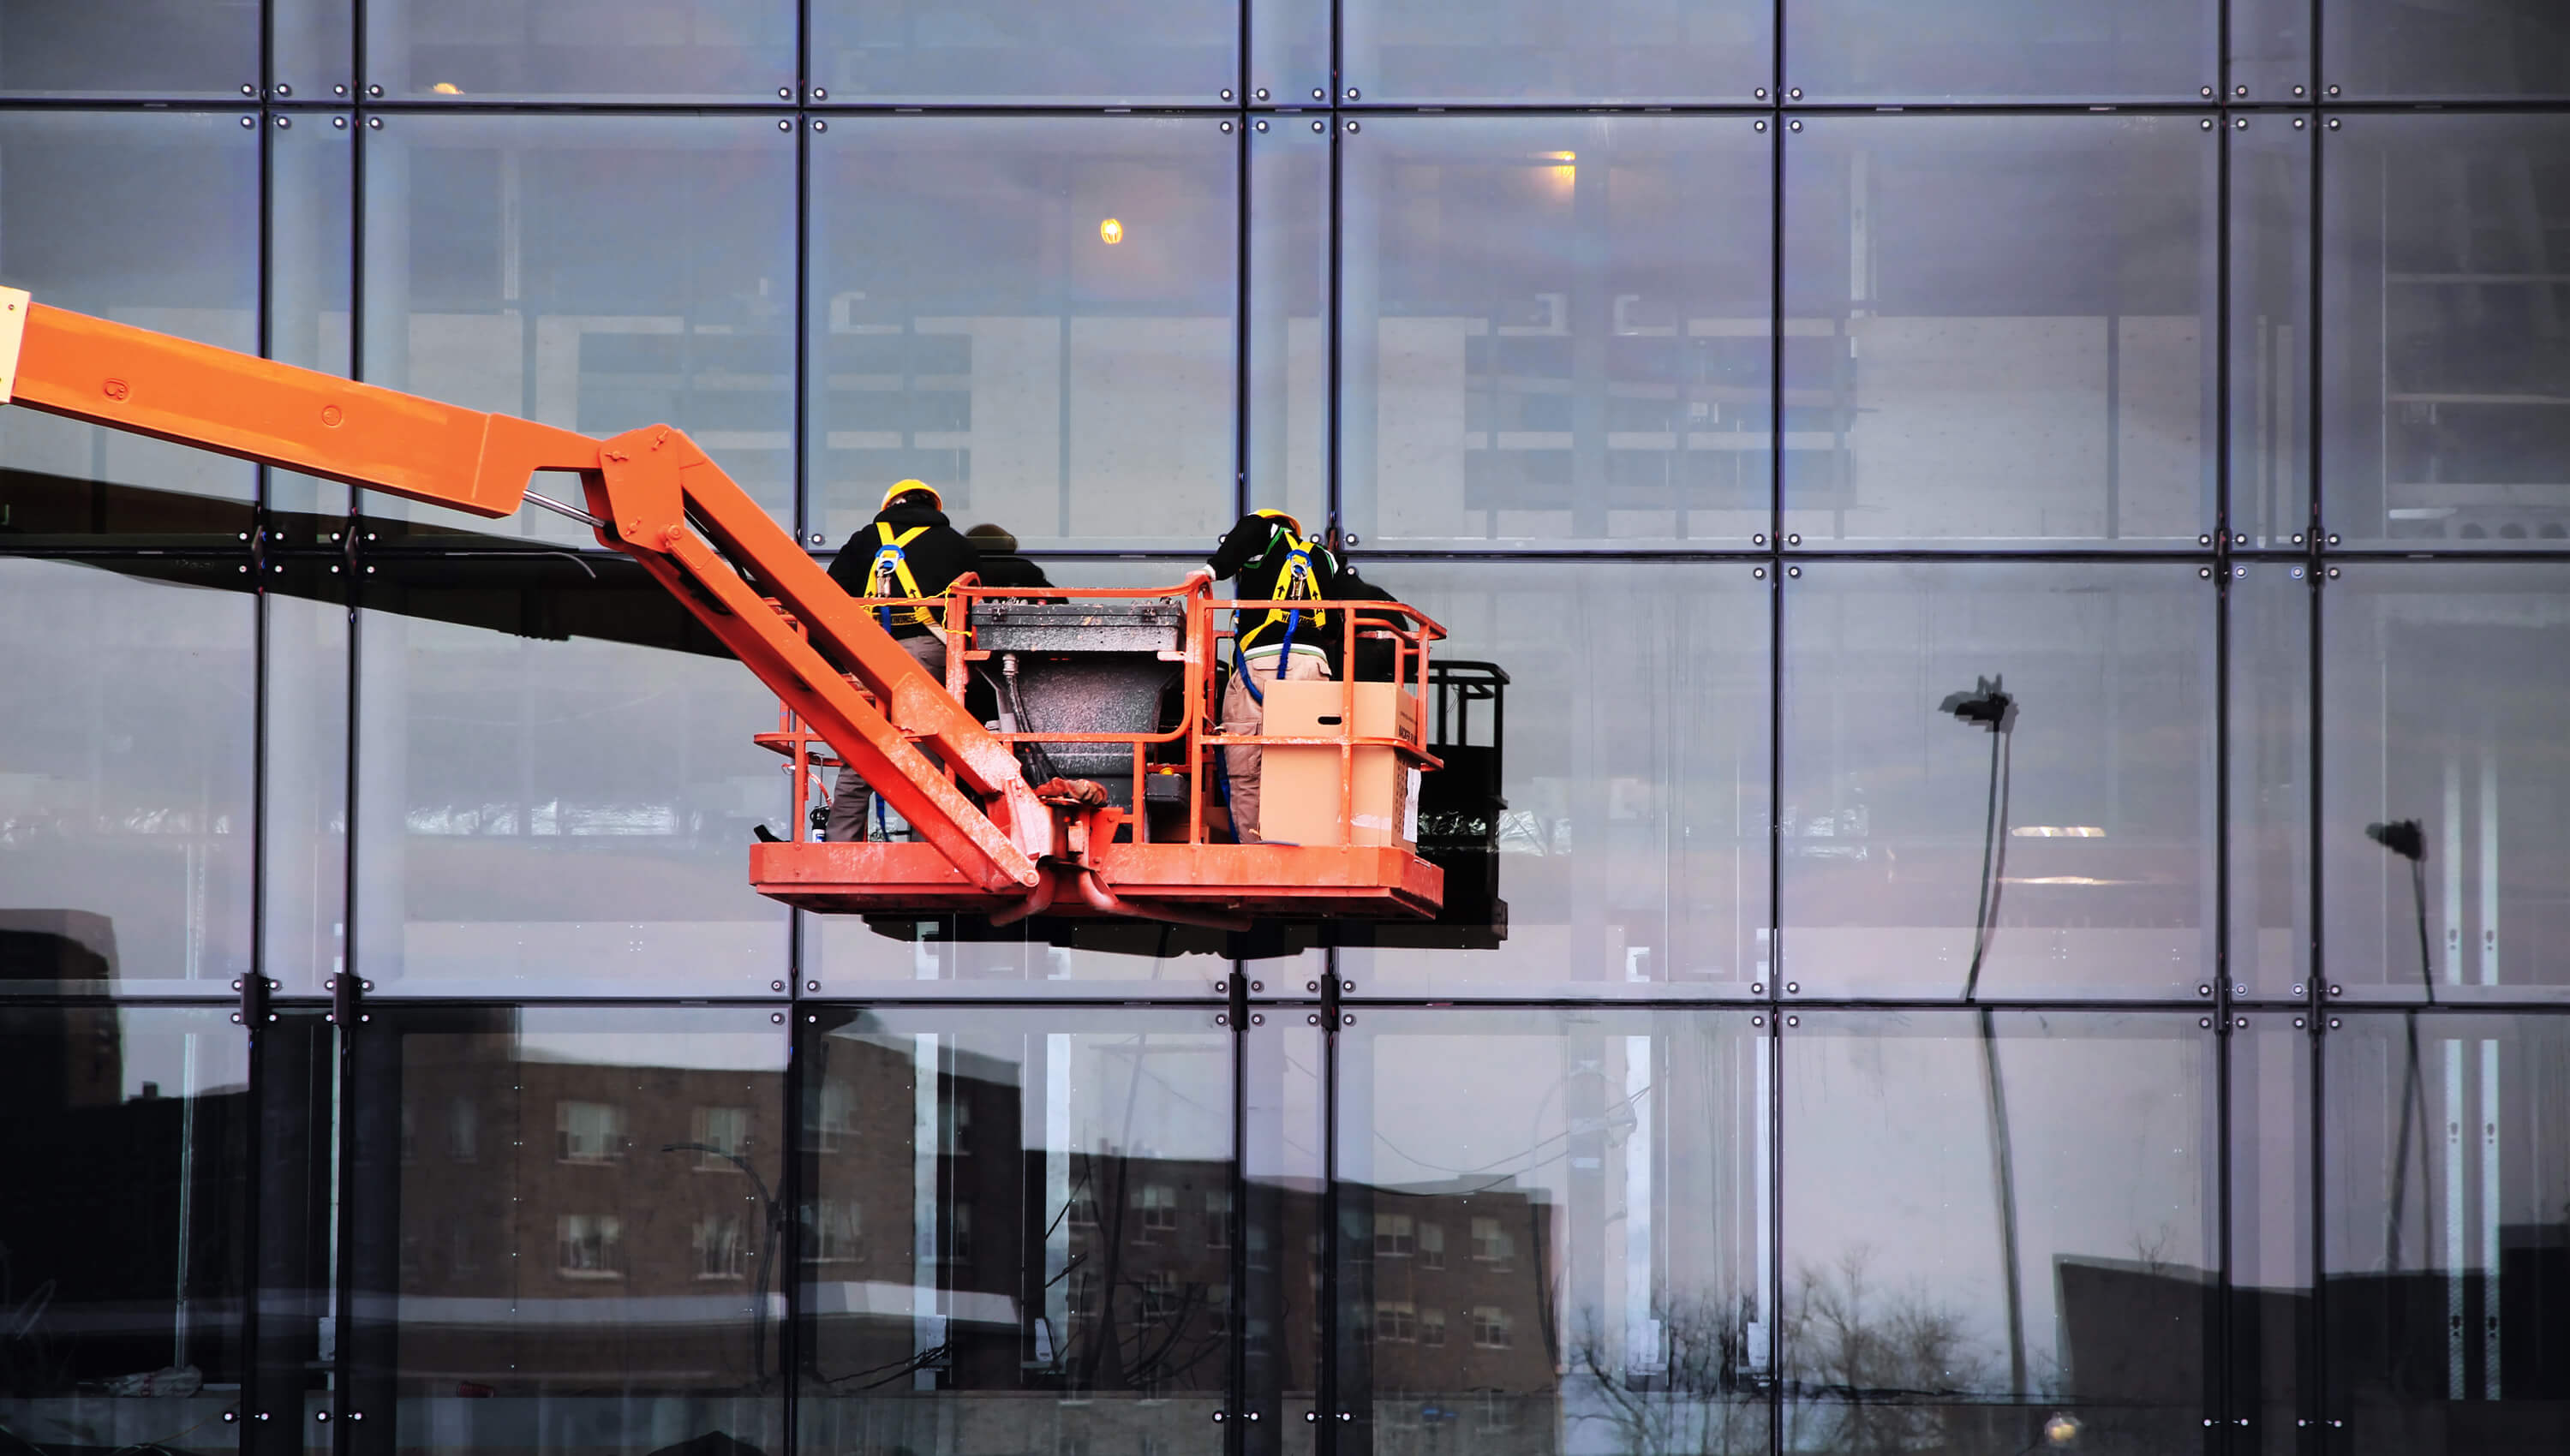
[890, 576]
[1294, 583]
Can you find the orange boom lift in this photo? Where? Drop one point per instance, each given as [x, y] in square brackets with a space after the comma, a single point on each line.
[991, 843]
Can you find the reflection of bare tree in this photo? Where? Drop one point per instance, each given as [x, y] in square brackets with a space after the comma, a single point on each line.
[30, 1364]
[1701, 1400]
[1879, 1369]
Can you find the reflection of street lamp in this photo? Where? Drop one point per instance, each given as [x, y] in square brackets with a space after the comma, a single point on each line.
[2404, 837]
[1989, 706]
[773, 1218]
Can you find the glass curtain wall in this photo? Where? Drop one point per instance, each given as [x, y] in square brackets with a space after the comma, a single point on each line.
[2002, 563]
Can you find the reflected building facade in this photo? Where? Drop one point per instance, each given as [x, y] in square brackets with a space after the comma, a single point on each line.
[2015, 553]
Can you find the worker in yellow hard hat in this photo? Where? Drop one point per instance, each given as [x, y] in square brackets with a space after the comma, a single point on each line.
[1277, 564]
[908, 549]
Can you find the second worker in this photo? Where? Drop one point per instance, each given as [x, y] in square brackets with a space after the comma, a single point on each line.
[1267, 550]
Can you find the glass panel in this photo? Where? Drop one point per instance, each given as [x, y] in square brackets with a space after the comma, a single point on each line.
[158, 48]
[1289, 322]
[296, 1242]
[303, 844]
[2271, 49]
[2001, 330]
[1014, 1230]
[2442, 1209]
[2271, 329]
[1615, 784]
[2441, 258]
[311, 244]
[1552, 1231]
[567, 1229]
[1169, 52]
[2002, 50]
[2000, 1231]
[600, 273]
[125, 785]
[311, 49]
[2444, 688]
[557, 786]
[1285, 1173]
[2270, 827]
[1289, 56]
[2398, 49]
[1626, 51]
[124, 1224]
[1555, 330]
[1916, 861]
[606, 50]
[1035, 315]
[2269, 1157]
[144, 218]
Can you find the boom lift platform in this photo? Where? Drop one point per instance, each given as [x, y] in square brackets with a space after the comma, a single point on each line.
[1127, 678]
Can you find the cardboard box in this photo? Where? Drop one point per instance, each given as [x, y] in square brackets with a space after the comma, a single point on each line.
[1299, 787]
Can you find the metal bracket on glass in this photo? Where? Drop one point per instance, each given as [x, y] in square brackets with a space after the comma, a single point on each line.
[255, 989]
[1332, 988]
[347, 1000]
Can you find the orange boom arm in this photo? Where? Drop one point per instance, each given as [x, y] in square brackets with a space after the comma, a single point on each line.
[651, 494]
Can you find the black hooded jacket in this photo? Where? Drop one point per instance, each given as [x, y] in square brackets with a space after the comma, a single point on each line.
[936, 558]
[1255, 550]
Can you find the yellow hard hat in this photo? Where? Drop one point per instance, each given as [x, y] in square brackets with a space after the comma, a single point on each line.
[904, 488]
[1291, 524]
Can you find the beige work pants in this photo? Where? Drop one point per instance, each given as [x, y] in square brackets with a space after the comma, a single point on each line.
[848, 799]
[1243, 713]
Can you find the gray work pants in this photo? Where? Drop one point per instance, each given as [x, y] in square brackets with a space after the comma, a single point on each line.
[848, 799]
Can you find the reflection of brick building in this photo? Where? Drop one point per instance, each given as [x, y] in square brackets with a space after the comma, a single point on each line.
[1103, 1270]
[549, 1244]
[1085, 1271]
[1447, 1332]
[546, 1236]
[1452, 1268]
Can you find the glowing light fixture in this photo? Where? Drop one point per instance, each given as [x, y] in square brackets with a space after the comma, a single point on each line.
[2061, 1430]
[1111, 232]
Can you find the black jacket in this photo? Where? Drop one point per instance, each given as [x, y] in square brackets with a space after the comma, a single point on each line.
[1255, 551]
[1012, 571]
[1375, 655]
[936, 558]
